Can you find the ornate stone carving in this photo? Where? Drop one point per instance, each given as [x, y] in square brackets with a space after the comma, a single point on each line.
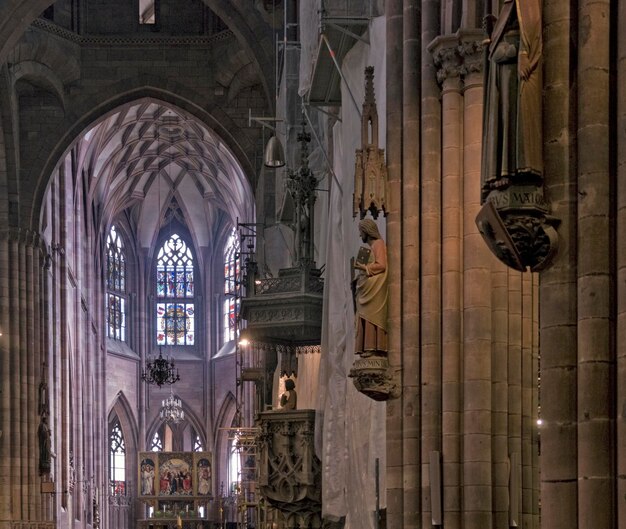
[520, 241]
[289, 471]
[515, 219]
[457, 56]
[472, 55]
[446, 59]
[370, 170]
[371, 377]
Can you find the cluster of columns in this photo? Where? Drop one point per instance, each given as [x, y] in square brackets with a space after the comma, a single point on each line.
[22, 353]
[463, 327]
[51, 366]
[583, 296]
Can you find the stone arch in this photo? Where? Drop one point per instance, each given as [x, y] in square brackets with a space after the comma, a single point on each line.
[225, 417]
[190, 418]
[41, 75]
[122, 409]
[124, 412]
[48, 51]
[241, 17]
[91, 111]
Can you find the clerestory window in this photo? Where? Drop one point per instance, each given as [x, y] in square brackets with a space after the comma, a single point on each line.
[175, 308]
[115, 300]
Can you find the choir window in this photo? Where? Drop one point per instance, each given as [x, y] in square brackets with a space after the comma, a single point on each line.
[197, 442]
[175, 308]
[156, 445]
[117, 461]
[115, 299]
[231, 284]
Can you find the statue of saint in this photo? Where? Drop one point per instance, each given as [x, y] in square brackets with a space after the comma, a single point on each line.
[371, 292]
[289, 399]
[512, 132]
[45, 453]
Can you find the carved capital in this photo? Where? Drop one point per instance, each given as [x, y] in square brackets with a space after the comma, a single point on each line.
[446, 58]
[472, 55]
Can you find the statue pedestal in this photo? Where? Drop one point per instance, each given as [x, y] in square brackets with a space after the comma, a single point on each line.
[371, 377]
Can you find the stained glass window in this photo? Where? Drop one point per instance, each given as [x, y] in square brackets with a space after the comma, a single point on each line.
[175, 309]
[156, 445]
[117, 462]
[197, 442]
[231, 276]
[115, 299]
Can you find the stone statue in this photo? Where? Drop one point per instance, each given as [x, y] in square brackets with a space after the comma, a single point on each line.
[289, 399]
[45, 452]
[371, 293]
[512, 132]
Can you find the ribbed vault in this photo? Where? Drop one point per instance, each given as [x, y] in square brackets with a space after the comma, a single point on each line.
[152, 158]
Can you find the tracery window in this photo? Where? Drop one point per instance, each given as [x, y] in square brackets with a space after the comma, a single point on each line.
[175, 308]
[116, 287]
[156, 445]
[117, 461]
[231, 275]
[197, 442]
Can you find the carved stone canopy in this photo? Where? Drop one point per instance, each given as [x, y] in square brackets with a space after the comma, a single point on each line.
[370, 170]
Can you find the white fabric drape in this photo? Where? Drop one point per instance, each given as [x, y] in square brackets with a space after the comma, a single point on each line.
[350, 430]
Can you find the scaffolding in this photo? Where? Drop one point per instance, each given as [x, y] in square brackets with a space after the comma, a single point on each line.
[241, 504]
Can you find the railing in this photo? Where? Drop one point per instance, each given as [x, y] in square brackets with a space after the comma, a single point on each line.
[284, 285]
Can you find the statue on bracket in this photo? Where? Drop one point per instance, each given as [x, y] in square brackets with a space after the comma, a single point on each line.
[371, 292]
[515, 220]
[370, 370]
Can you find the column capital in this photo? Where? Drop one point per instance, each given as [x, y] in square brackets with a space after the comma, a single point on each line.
[458, 57]
[447, 59]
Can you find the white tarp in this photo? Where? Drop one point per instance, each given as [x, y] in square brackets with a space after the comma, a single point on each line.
[351, 427]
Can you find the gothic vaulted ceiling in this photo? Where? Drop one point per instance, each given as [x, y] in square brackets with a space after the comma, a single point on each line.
[147, 157]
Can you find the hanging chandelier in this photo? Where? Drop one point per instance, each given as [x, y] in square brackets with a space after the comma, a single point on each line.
[160, 371]
[172, 409]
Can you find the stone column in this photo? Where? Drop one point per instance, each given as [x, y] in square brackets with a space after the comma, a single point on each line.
[595, 285]
[621, 268]
[21, 306]
[529, 504]
[477, 325]
[431, 252]
[395, 476]
[446, 57]
[558, 283]
[411, 264]
[504, 316]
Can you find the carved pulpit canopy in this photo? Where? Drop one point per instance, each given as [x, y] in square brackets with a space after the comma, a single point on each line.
[370, 171]
[515, 219]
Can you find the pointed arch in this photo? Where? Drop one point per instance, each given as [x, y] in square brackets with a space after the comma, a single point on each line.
[225, 418]
[121, 413]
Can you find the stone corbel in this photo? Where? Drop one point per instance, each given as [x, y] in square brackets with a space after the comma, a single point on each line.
[372, 377]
